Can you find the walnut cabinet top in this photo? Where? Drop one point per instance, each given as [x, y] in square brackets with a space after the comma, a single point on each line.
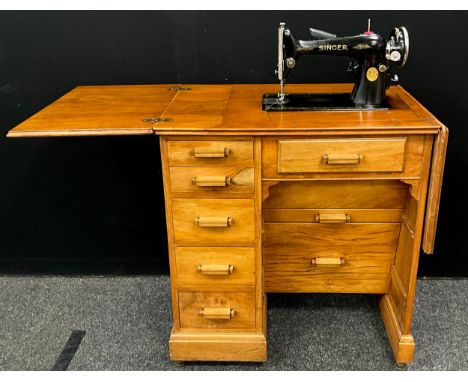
[172, 109]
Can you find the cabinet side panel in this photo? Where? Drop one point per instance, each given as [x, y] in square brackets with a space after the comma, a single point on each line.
[418, 230]
[260, 295]
[397, 306]
[170, 231]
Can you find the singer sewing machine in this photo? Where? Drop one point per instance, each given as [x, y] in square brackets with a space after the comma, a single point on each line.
[275, 200]
[373, 57]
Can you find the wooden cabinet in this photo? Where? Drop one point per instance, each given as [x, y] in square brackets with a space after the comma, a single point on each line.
[258, 202]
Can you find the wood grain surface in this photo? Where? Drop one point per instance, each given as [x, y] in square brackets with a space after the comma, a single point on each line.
[311, 167]
[189, 346]
[329, 155]
[368, 251]
[435, 190]
[181, 153]
[215, 110]
[301, 215]
[342, 194]
[240, 180]
[242, 303]
[236, 109]
[99, 110]
[189, 258]
[187, 233]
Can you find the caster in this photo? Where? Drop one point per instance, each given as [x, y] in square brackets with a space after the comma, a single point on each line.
[401, 366]
[179, 363]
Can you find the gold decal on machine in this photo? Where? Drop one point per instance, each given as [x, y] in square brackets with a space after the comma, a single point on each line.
[372, 74]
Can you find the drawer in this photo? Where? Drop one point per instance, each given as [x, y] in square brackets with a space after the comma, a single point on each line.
[215, 267]
[341, 155]
[310, 163]
[220, 180]
[291, 215]
[209, 153]
[213, 222]
[329, 257]
[204, 310]
[341, 194]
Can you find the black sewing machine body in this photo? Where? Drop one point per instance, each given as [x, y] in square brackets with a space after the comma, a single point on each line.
[372, 58]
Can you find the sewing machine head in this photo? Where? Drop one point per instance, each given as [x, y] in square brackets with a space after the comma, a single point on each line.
[373, 57]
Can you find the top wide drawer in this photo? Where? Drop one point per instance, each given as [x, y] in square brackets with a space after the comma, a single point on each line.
[209, 153]
[341, 155]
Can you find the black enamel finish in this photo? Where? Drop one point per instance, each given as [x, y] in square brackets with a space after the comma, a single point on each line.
[315, 102]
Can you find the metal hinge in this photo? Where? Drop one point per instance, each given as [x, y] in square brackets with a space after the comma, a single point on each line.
[157, 120]
[179, 88]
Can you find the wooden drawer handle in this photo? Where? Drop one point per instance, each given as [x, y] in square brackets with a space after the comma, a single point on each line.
[332, 218]
[342, 158]
[210, 152]
[211, 181]
[327, 261]
[213, 221]
[217, 313]
[215, 269]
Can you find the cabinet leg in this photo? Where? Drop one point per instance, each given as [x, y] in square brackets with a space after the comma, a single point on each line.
[402, 344]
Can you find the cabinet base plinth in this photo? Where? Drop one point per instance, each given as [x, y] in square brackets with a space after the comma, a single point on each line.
[402, 344]
[218, 347]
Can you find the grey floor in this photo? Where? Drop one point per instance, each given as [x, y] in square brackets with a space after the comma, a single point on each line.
[127, 322]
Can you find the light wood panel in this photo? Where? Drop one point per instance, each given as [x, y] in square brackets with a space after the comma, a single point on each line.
[418, 218]
[397, 306]
[188, 233]
[239, 347]
[182, 153]
[188, 259]
[338, 194]
[402, 344]
[341, 155]
[413, 154]
[260, 302]
[100, 110]
[367, 252]
[229, 179]
[242, 304]
[170, 233]
[236, 110]
[214, 109]
[435, 189]
[398, 295]
[330, 282]
[285, 215]
[403, 257]
[312, 238]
